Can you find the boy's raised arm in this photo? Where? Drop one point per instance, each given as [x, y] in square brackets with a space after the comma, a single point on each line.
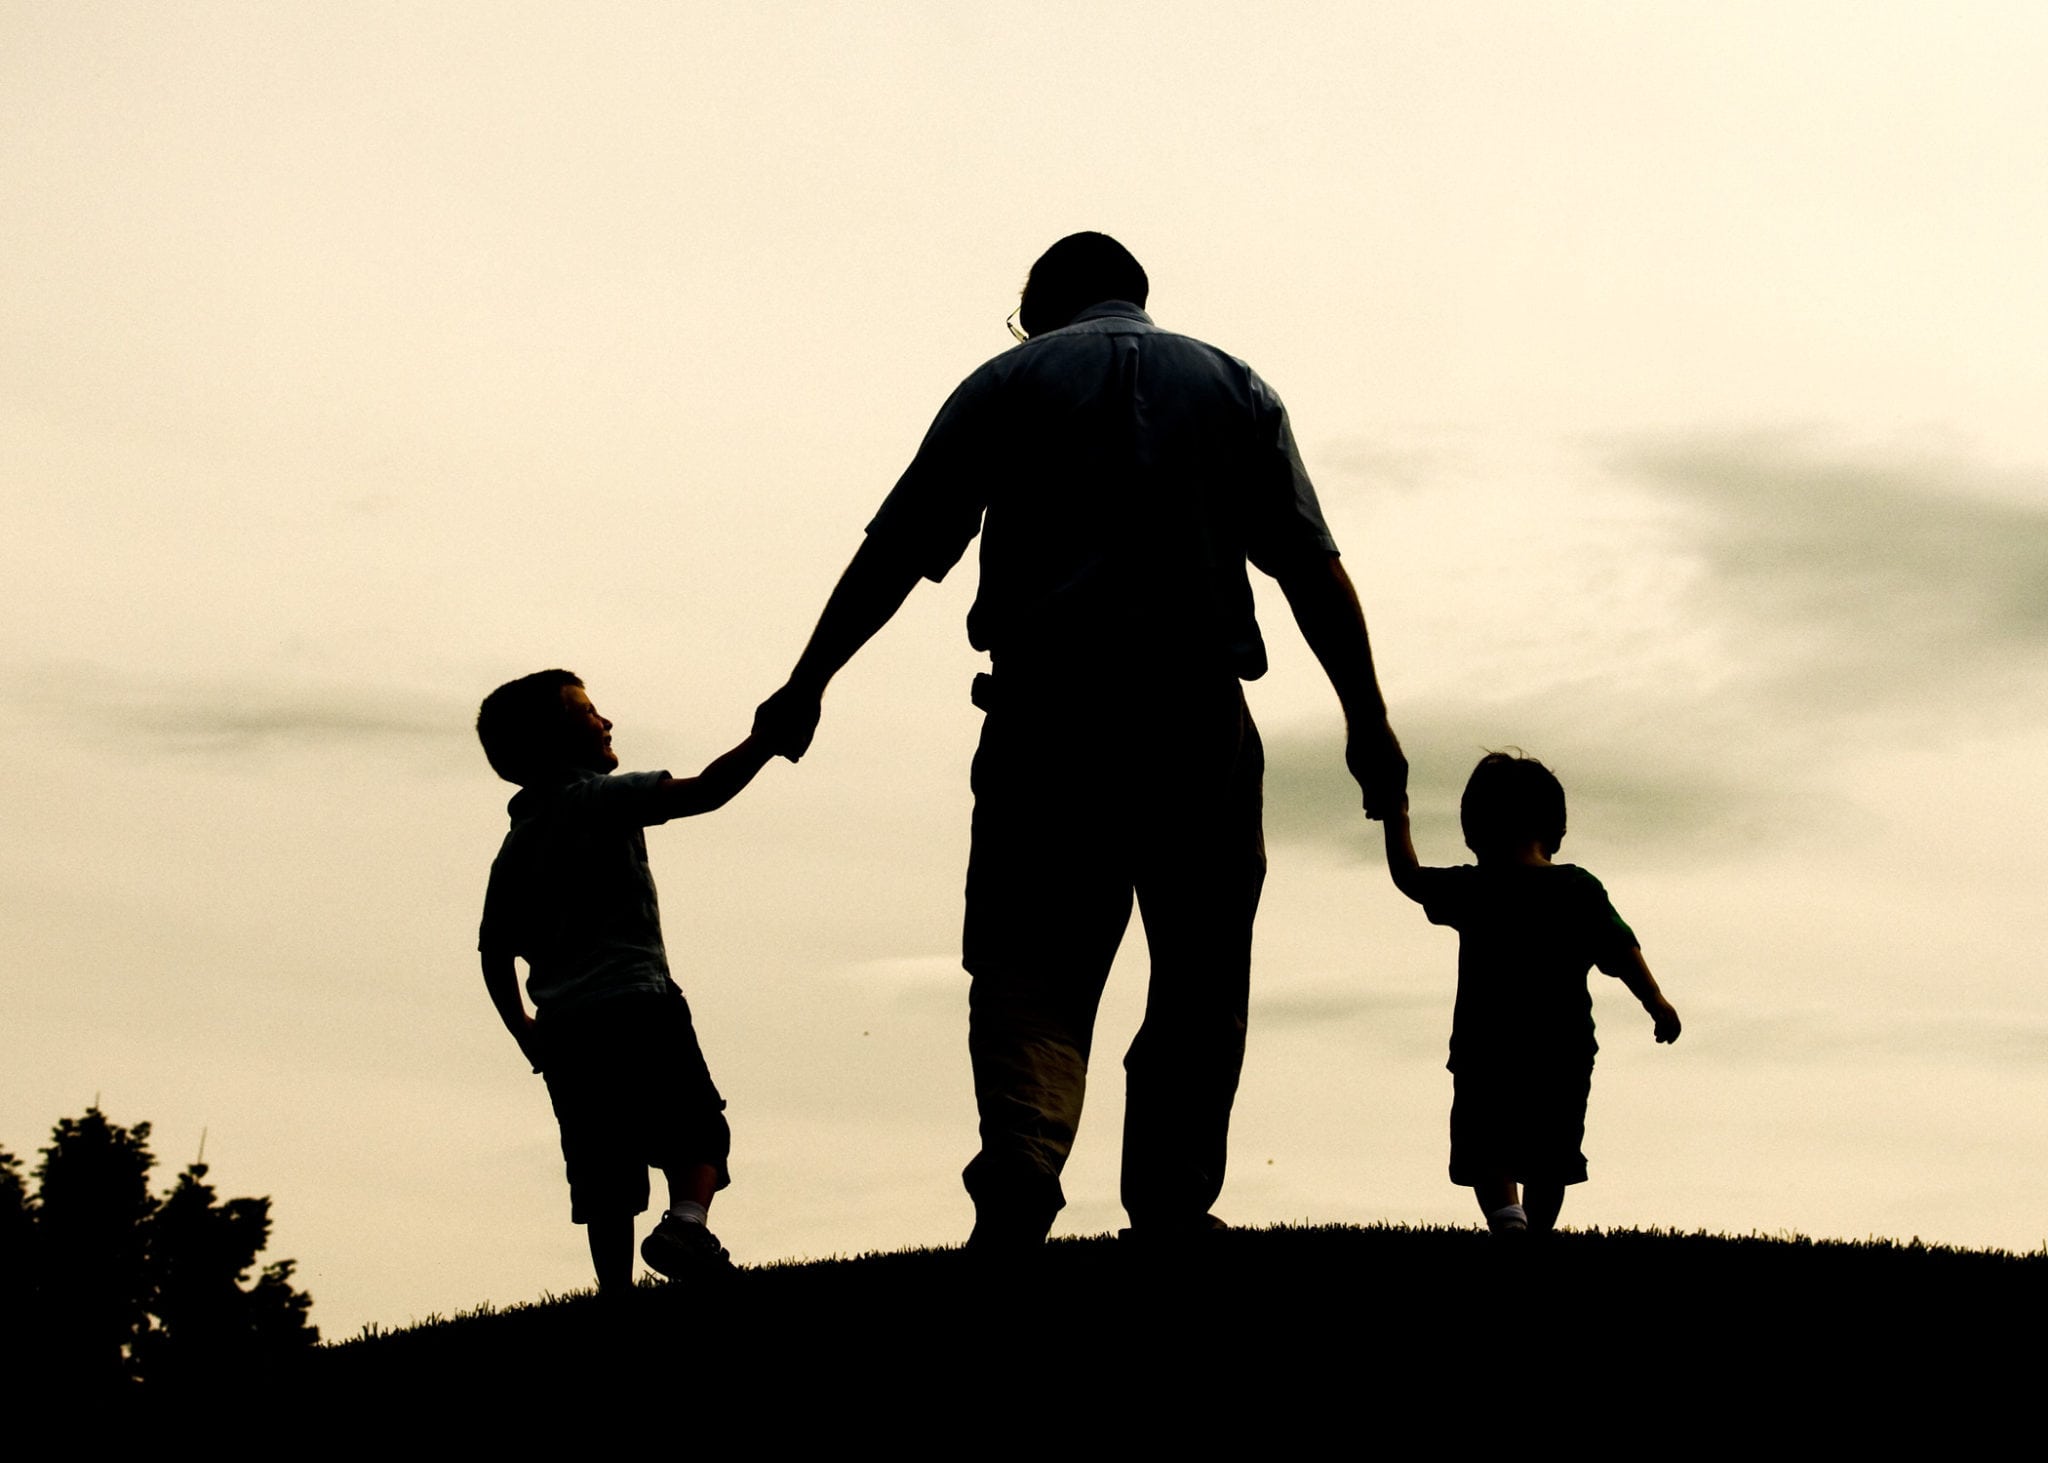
[718, 783]
[1633, 972]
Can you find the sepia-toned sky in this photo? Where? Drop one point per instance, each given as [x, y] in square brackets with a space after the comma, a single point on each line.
[1672, 376]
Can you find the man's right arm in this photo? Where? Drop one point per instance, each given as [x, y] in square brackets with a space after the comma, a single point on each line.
[1325, 606]
[874, 586]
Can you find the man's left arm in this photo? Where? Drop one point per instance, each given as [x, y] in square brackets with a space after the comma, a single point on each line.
[1325, 606]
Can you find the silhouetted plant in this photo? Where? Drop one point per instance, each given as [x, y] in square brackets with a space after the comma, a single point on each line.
[114, 1284]
[17, 1232]
[91, 1243]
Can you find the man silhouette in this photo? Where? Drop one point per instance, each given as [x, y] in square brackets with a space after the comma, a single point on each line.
[1120, 477]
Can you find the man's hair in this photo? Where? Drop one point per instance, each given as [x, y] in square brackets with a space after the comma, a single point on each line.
[1079, 271]
[1510, 798]
[520, 725]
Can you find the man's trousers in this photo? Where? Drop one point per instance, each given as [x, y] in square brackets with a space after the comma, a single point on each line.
[1084, 798]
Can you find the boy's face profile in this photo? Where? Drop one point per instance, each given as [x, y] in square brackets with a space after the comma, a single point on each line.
[587, 736]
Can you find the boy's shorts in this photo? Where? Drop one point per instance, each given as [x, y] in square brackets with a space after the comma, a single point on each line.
[1524, 1125]
[631, 1092]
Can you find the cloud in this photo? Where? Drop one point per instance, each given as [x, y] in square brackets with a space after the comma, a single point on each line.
[202, 715]
[1711, 622]
[1630, 771]
[1323, 1010]
[1866, 581]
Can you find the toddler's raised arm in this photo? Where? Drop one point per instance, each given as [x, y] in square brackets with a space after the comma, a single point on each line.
[1401, 861]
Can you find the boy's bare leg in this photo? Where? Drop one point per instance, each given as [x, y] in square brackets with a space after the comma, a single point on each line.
[691, 1183]
[1542, 1201]
[682, 1245]
[611, 1251]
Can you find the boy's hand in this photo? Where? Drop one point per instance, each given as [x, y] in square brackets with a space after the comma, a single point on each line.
[528, 1037]
[1666, 1017]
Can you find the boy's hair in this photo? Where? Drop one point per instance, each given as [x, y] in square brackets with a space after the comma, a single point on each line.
[1510, 798]
[1079, 271]
[520, 725]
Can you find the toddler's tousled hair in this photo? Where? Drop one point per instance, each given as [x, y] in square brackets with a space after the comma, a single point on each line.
[1508, 798]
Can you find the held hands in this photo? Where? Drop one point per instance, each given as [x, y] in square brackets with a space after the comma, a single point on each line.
[1666, 1016]
[786, 722]
[1373, 753]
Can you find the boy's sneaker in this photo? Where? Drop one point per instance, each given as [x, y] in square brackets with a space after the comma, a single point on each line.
[684, 1251]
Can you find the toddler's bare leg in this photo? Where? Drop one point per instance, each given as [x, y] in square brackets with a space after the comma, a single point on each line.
[611, 1251]
[1543, 1201]
[1495, 1194]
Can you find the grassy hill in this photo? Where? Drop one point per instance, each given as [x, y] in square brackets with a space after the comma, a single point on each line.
[1257, 1333]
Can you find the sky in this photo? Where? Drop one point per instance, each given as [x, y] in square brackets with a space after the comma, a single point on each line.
[1670, 374]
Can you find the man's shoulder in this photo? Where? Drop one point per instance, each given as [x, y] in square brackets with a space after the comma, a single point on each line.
[1080, 350]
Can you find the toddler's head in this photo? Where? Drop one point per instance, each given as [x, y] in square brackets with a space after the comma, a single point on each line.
[1510, 799]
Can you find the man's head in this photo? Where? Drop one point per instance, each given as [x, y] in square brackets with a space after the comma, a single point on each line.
[1510, 799]
[540, 726]
[1079, 271]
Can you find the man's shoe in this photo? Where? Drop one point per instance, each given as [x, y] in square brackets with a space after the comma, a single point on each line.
[999, 1247]
[685, 1251]
[1187, 1232]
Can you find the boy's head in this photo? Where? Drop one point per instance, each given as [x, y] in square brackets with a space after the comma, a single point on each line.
[540, 726]
[1510, 799]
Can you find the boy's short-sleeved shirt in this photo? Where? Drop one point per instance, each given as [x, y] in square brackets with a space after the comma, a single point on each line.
[571, 892]
[1526, 938]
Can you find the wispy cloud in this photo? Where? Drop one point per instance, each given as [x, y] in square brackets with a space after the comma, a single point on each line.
[1627, 770]
[1320, 1010]
[1808, 597]
[198, 715]
[1867, 581]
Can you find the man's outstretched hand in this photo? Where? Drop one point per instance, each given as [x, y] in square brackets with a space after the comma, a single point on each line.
[1373, 753]
[786, 722]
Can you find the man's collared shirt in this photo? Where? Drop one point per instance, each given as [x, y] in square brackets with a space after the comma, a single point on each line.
[1120, 477]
